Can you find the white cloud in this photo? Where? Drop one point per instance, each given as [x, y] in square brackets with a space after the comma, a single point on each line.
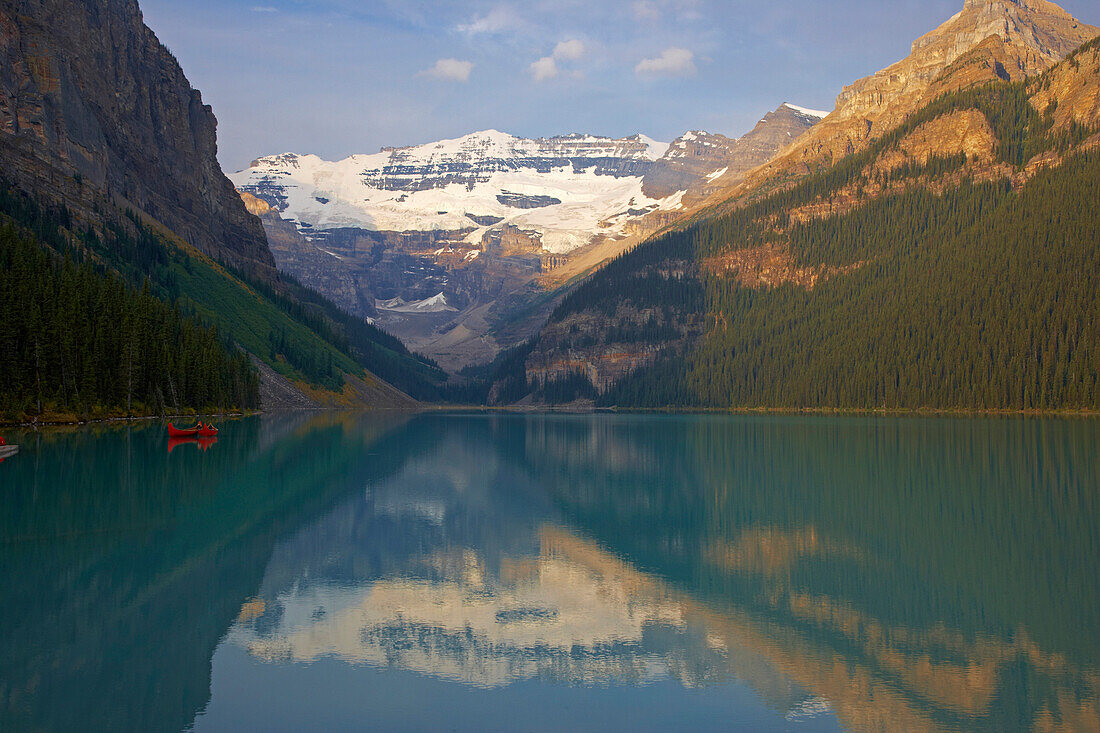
[673, 61]
[450, 70]
[264, 9]
[646, 10]
[498, 19]
[566, 51]
[570, 50]
[543, 69]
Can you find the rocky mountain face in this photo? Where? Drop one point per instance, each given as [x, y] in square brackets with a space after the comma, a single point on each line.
[1000, 39]
[93, 107]
[695, 160]
[489, 223]
[312, 266]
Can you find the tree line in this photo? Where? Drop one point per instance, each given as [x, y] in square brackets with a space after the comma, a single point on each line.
[75, 340]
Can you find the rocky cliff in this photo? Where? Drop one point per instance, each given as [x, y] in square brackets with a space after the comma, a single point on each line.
[90, 99]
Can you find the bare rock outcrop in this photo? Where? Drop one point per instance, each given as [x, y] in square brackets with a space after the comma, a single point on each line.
[1072, 91]
[966, 132]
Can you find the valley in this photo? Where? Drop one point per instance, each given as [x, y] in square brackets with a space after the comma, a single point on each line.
[493, 223]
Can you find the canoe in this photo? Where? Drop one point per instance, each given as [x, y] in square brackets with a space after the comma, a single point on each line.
[6, 451]
[208, 432]
[174, 432]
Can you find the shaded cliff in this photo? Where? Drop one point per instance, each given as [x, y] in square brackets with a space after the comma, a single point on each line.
[89, 98]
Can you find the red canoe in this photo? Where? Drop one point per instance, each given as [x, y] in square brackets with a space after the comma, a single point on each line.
[199, 431]
[174, 432]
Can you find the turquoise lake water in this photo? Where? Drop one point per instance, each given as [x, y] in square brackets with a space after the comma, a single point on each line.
[537, 573]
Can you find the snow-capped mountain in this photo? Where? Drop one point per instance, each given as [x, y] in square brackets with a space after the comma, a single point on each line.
[562, 190]
[450, 245]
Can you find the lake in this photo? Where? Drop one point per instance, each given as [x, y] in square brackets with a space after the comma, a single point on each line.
[554, 572]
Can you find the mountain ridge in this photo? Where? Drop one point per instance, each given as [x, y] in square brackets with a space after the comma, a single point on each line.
[495, 221]
[711, 311]
[1034, 35]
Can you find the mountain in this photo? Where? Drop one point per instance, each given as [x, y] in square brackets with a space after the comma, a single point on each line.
[1000, 39]
[695, 160]
[493, 222]
[88, 94]
[108, 167]
[949, 263]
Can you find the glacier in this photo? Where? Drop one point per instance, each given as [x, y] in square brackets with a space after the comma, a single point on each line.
[564, 191]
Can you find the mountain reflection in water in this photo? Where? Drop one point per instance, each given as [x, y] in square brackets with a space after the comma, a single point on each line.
[580, 571]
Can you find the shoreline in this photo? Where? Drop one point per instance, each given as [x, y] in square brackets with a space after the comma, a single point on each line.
[62, 422]
[586, 410]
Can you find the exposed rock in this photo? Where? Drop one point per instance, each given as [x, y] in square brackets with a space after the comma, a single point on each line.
[279, 393]
[693, 159]
[325, 272]
[605, 350]
[1072, 90]
[1013, 38]
[87, 90]
[770, 266]
[966, 132]
[526, 201]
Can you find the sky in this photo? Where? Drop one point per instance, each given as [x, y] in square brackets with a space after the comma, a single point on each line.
[340, 77]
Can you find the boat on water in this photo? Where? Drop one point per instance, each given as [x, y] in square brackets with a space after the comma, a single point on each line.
[199, 431]
[7, 451]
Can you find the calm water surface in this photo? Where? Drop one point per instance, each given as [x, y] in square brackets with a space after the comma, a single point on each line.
[342, 572]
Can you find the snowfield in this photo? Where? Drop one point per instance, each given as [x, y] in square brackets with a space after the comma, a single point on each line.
[597, 182]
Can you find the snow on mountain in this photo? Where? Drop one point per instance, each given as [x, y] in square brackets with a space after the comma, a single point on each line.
[565, 189]
[819, 114]
[435, 304]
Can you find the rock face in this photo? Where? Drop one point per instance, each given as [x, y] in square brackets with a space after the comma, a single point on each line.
[87, 91]
[696, 159]
[1073, 90]
[986, 40]
[311, 265]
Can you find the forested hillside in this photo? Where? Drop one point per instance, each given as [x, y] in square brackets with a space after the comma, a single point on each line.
[916, 274]
[76, 341]
[299, 333]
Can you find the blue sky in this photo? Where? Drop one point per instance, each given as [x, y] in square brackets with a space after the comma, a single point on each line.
[336, 77]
